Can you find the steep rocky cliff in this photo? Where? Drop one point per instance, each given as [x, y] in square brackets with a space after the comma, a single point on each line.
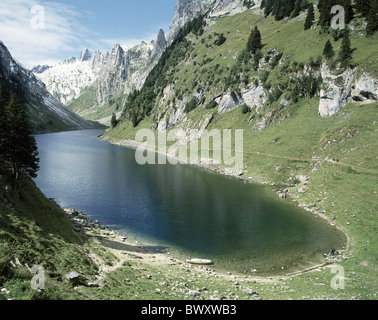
[46, 113]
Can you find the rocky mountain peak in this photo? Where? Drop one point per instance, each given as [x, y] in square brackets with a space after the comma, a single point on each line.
[160, 44]
[69, 60]
[85, 55]
[96, 60]
[40, 69]
[117, 56]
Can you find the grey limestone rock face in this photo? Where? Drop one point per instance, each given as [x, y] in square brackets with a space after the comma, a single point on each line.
[185, 11]
[228, 103]
[338, 89]
[335, 91]
[365, 88]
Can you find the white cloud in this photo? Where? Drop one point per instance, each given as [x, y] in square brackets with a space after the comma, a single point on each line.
[105, 44]
[32, 45]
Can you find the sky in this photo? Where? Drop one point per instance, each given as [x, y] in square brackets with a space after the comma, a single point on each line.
[46, 32]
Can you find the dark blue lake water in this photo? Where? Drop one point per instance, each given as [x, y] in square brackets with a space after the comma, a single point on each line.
[190, 211]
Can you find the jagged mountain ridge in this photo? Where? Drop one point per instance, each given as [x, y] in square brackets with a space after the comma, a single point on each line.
[45, 112]
[114, 73]
[107, 77]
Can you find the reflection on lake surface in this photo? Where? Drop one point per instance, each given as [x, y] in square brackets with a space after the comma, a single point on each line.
[195, 213]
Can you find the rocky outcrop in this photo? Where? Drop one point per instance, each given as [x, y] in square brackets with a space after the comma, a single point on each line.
[185, 11]
[342, 87]
[228, 103]
[228, 7]
[254, 97]
[335, 90]
[117, 57]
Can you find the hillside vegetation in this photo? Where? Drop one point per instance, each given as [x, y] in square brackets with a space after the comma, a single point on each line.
[284, 140]
[284, 136]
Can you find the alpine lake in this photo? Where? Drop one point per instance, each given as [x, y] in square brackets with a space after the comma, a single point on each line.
[188, 211]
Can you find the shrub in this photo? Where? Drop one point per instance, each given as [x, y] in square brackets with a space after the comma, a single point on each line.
[220, 40]
[274, 95]
[212, 105]
[245, 109]
[191, 105]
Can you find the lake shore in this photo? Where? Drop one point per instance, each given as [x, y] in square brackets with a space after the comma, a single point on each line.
[132, 144]
[125, 251]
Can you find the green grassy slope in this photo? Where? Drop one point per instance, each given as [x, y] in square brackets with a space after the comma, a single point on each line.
[297, 141]
[207, 65]
[36, 231]
[86, 106]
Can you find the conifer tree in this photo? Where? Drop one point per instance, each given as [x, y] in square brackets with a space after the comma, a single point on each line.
[328, 51]
[254, 41]
[325, 17]
[349, 12]
[310, 18]
[20, 146]
[268, 7]
[363, 6]
[297, 9]
[113, 121]
[3, 103]
[372, 19]
[279, 9]
[289, 7]
[345, 55]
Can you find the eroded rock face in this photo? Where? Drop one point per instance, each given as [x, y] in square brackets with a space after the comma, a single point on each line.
[228, 103]
[85, 55]
[185, 11]
[254, 97]
[335, 90]
[338, 89]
